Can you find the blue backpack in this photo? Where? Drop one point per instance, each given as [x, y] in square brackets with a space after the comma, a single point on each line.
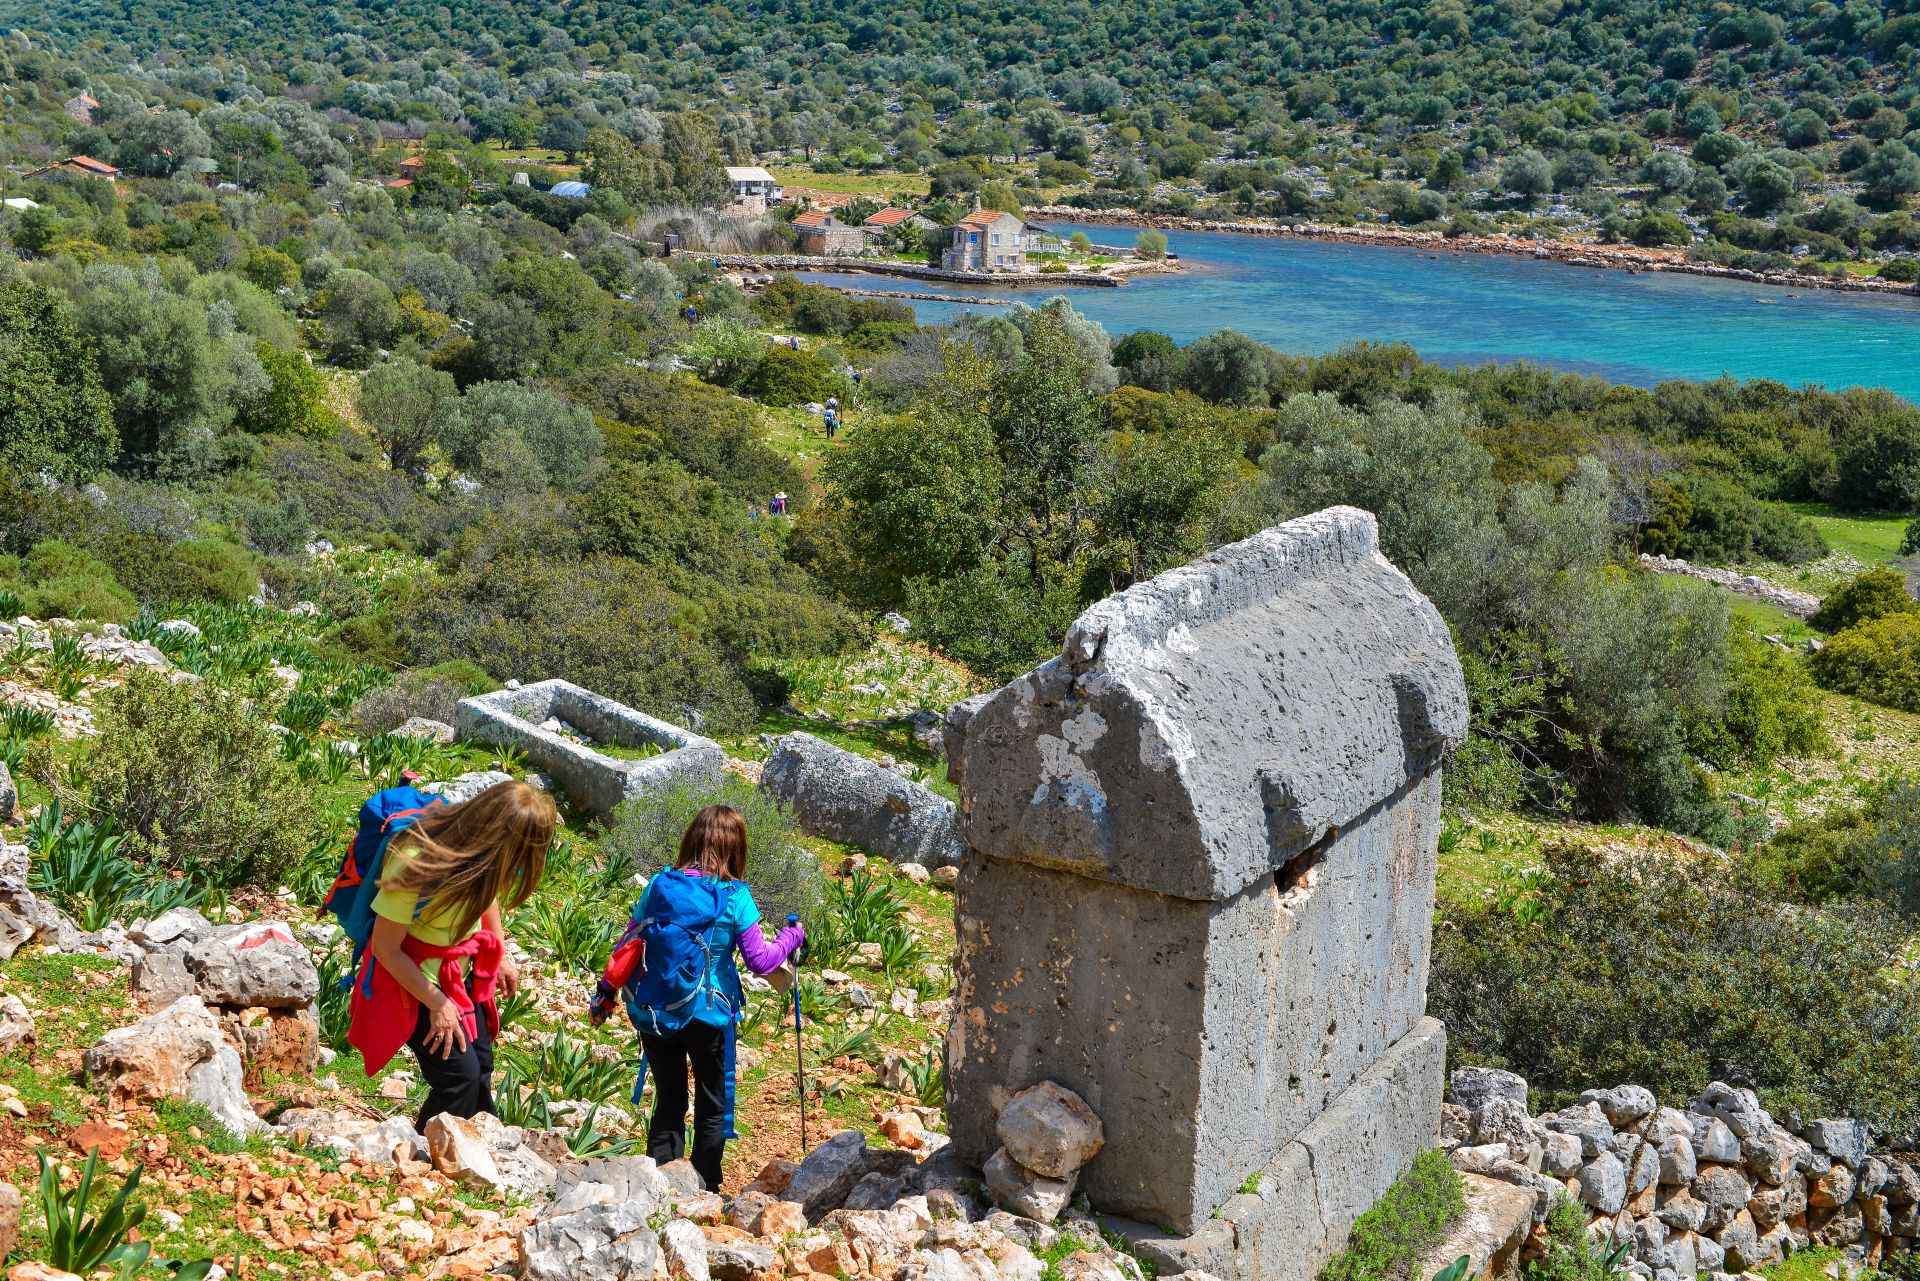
[689, 967]
[382, 815]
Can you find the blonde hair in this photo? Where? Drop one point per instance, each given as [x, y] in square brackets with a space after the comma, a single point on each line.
[469, 856]
[716, 843]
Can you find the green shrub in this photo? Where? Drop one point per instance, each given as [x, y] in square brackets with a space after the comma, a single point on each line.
[785, 876]
[1903, 271]
[790, 376]
[1878, 661]
[1413, 1217]
[1874, 593]
[193, 773]
[1870, 851]
[58, 580]
[1569, 1256]
[416, 693]
[209, 569]
[601, 622]
[470, 677]
[1772, 708]
[1676, 973]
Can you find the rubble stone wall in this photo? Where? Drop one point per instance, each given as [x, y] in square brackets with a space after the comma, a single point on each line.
[1719, 1186]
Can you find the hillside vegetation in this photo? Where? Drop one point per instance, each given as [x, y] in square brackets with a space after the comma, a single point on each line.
[1761, 134]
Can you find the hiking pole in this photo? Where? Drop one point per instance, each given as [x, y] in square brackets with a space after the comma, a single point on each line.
[799, 1051]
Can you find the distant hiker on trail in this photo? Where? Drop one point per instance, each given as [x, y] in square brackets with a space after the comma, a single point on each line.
[832, 420]
[437, 950]
[674, 970]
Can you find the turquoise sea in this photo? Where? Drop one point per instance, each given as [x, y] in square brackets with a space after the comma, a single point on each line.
[1312, 296]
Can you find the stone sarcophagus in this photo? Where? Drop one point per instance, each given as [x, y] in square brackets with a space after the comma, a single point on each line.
[1198, 891]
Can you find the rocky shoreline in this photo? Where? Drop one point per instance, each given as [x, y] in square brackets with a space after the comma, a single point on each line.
[1630, 258]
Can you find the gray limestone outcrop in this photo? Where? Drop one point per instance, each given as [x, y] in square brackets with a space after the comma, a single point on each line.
[847, 798]
[535, 720]
[1199, 884]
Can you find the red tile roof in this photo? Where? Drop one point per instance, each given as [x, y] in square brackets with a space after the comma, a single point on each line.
[889, 217]
[983, 218]
[812, 218]
[92, 166]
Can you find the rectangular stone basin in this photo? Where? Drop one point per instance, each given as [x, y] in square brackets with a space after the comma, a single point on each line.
[595, 781]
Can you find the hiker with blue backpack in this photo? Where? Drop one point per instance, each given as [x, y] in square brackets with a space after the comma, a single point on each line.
[673, 969]
[421, 894]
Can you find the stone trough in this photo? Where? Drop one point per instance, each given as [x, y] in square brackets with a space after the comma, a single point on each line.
[597, 782]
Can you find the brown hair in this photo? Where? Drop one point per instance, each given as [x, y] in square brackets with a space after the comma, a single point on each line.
[716, 843]
[490, 849]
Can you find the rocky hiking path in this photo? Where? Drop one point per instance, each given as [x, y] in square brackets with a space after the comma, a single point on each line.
[298, 1178]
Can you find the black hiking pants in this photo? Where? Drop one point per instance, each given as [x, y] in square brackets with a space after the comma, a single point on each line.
[461, 1082]
[703, 1049]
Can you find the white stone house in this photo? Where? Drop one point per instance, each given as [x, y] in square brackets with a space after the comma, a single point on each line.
[987, 240]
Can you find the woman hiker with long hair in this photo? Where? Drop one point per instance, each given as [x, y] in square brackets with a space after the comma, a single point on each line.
[674, 969]
[438, 951]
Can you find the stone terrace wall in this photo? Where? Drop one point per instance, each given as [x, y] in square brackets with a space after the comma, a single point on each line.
[1720, 1186]
[1198, 889]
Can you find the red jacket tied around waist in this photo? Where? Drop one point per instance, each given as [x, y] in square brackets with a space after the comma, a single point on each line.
[384, 1014]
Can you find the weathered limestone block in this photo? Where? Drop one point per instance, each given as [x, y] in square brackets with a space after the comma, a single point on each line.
[1200, 871]
[256, 964]
[596, 781]
[176, 1053]
[845, 797]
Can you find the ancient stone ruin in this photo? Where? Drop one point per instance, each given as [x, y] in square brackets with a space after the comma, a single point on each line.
[845, 797]
[1198, 890]
[556, 724]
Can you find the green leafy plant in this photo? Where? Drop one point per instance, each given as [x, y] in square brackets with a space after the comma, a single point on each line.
[563, 1067]
[1409, 1220]
[81, 1243]
[927, 1077]
[900, 952]
[305, 711]
[20, 721]
[333, 1003]
[1569, 1256]
[866, 906]
[847, 1043]
[82, 866]
[573, 933]
[586, 1140]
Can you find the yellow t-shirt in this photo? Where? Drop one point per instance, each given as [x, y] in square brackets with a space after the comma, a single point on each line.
[435, 925]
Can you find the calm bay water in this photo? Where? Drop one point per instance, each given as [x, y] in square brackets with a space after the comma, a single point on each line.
[1312, 296]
